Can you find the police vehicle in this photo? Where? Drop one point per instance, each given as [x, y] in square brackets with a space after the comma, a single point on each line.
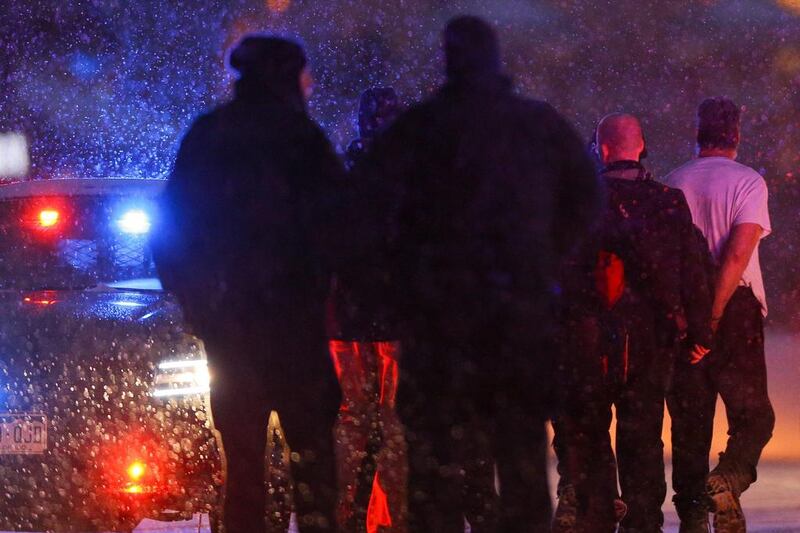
[104, 413]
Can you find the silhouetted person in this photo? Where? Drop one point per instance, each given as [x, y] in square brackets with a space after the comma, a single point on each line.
[729, 204]
[371, 456]
[377, 109]
[472, 197]
[248, 244]
[651, 278]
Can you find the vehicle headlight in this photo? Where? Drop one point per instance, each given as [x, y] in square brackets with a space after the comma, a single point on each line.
[181, 378]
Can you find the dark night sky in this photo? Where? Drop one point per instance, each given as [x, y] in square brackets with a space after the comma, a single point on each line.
[106, 87]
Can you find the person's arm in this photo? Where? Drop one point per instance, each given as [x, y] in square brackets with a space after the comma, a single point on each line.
[323, 197]
[695, 282]
[699, 296]
[177, 207]
[740, 247]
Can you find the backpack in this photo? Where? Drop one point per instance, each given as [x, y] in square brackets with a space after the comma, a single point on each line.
[610, 284]
[609, 277]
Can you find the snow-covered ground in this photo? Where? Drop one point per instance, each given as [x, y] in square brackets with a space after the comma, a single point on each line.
[771, 505]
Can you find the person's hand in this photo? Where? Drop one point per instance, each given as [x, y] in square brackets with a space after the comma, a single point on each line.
[698, 353]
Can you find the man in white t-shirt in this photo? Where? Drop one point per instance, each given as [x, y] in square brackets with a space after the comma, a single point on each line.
[728, 202]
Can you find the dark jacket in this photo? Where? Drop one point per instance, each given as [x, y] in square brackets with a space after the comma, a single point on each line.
[249, 229]
[348, 317]
[667, 262]
[471, 200]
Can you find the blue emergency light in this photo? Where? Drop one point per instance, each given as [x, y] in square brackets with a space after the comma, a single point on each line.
[134, 222]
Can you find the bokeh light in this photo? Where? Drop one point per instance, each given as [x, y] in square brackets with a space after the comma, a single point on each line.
[790, 5]
[278, 6]
[136, 470]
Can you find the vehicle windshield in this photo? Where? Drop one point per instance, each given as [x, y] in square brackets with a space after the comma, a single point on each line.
[76, 242]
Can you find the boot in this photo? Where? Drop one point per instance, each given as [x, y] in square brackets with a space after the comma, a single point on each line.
[724, 485]
[620, 509]
[565, 519]
[693, 515]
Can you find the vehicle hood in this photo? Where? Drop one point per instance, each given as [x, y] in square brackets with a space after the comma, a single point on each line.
[99, 306]
[97, 349]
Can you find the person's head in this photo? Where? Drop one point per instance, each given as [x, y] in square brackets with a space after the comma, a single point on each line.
[378, 107]
[271, 65]
[718, 127]
[619, 138]
[471, 48]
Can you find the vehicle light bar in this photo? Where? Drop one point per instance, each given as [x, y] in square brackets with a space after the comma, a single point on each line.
[185, 391]
[189, 363]
[134, 222]
[48, 218]
[15, 160]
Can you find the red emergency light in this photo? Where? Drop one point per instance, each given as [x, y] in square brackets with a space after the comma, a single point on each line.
[49, 218]
[135, 465]
[46, 216]
[42, 298]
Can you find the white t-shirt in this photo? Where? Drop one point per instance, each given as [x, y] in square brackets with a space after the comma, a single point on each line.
[721, 194]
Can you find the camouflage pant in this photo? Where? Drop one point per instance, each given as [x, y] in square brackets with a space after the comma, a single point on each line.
[370, 443]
